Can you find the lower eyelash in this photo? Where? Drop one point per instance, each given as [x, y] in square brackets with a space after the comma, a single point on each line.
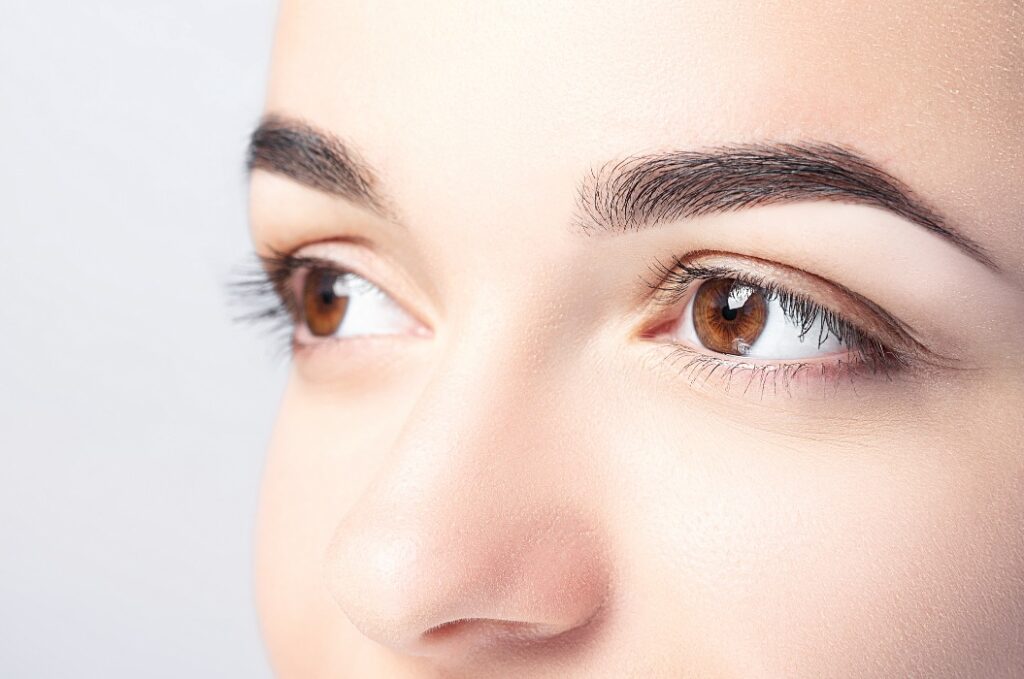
[699, 368]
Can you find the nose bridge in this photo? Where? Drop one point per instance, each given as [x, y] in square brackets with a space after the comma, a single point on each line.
[497, 405]
[483, 510]
[497, 414]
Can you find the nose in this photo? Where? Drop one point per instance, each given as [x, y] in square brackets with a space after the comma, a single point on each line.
[482, 529]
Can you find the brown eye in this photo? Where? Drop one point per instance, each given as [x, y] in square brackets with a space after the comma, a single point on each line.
[324, 301]
[728, 315]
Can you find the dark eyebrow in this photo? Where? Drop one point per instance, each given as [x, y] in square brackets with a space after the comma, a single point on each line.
[317, 159]
[648, 190]
[638, 191]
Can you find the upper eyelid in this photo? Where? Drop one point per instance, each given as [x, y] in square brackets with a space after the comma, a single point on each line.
[381, 273]
[892, 328]
[287, 265]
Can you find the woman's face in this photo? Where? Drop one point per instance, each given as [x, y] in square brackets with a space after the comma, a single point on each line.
[661, 341]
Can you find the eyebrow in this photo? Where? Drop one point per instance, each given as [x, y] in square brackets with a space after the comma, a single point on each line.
[643, 191]
[317, 159]
[640, 191]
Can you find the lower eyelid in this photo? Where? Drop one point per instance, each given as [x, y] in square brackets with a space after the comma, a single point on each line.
[744, 377]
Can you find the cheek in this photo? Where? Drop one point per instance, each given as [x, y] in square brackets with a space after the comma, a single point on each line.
[827, 559]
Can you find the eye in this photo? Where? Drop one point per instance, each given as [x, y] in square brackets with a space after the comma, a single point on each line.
[730, 316]
[338, 304]
[790, 327]
[314, 298]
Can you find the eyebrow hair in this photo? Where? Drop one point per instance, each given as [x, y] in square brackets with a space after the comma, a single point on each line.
[647, 190]
[317, 159]
[639, 191]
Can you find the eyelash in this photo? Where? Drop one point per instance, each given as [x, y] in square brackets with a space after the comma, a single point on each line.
[870, 356]
[267, 289]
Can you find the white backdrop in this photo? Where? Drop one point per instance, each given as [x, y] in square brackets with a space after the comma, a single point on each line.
[133, 413]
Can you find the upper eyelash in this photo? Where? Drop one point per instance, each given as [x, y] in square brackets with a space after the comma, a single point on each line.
[673, 282]
[264, 289]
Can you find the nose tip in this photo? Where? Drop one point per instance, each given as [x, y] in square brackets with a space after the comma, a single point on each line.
[445, 589]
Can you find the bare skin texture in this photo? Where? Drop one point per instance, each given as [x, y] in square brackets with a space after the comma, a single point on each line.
[526, 481]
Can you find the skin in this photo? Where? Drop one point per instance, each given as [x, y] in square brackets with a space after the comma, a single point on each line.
[533, 474]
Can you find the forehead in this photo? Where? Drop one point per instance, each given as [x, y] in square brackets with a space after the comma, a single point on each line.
[481, 94]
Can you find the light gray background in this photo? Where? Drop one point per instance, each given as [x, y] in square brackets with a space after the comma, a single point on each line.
[133, 413]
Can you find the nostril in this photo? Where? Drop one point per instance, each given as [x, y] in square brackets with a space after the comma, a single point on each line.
[481, 633]
[505, 629]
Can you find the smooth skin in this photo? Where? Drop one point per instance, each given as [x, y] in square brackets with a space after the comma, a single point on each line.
[528, 487]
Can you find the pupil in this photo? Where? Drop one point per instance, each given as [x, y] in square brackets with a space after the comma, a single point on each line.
[327, 290]
[729, 314]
